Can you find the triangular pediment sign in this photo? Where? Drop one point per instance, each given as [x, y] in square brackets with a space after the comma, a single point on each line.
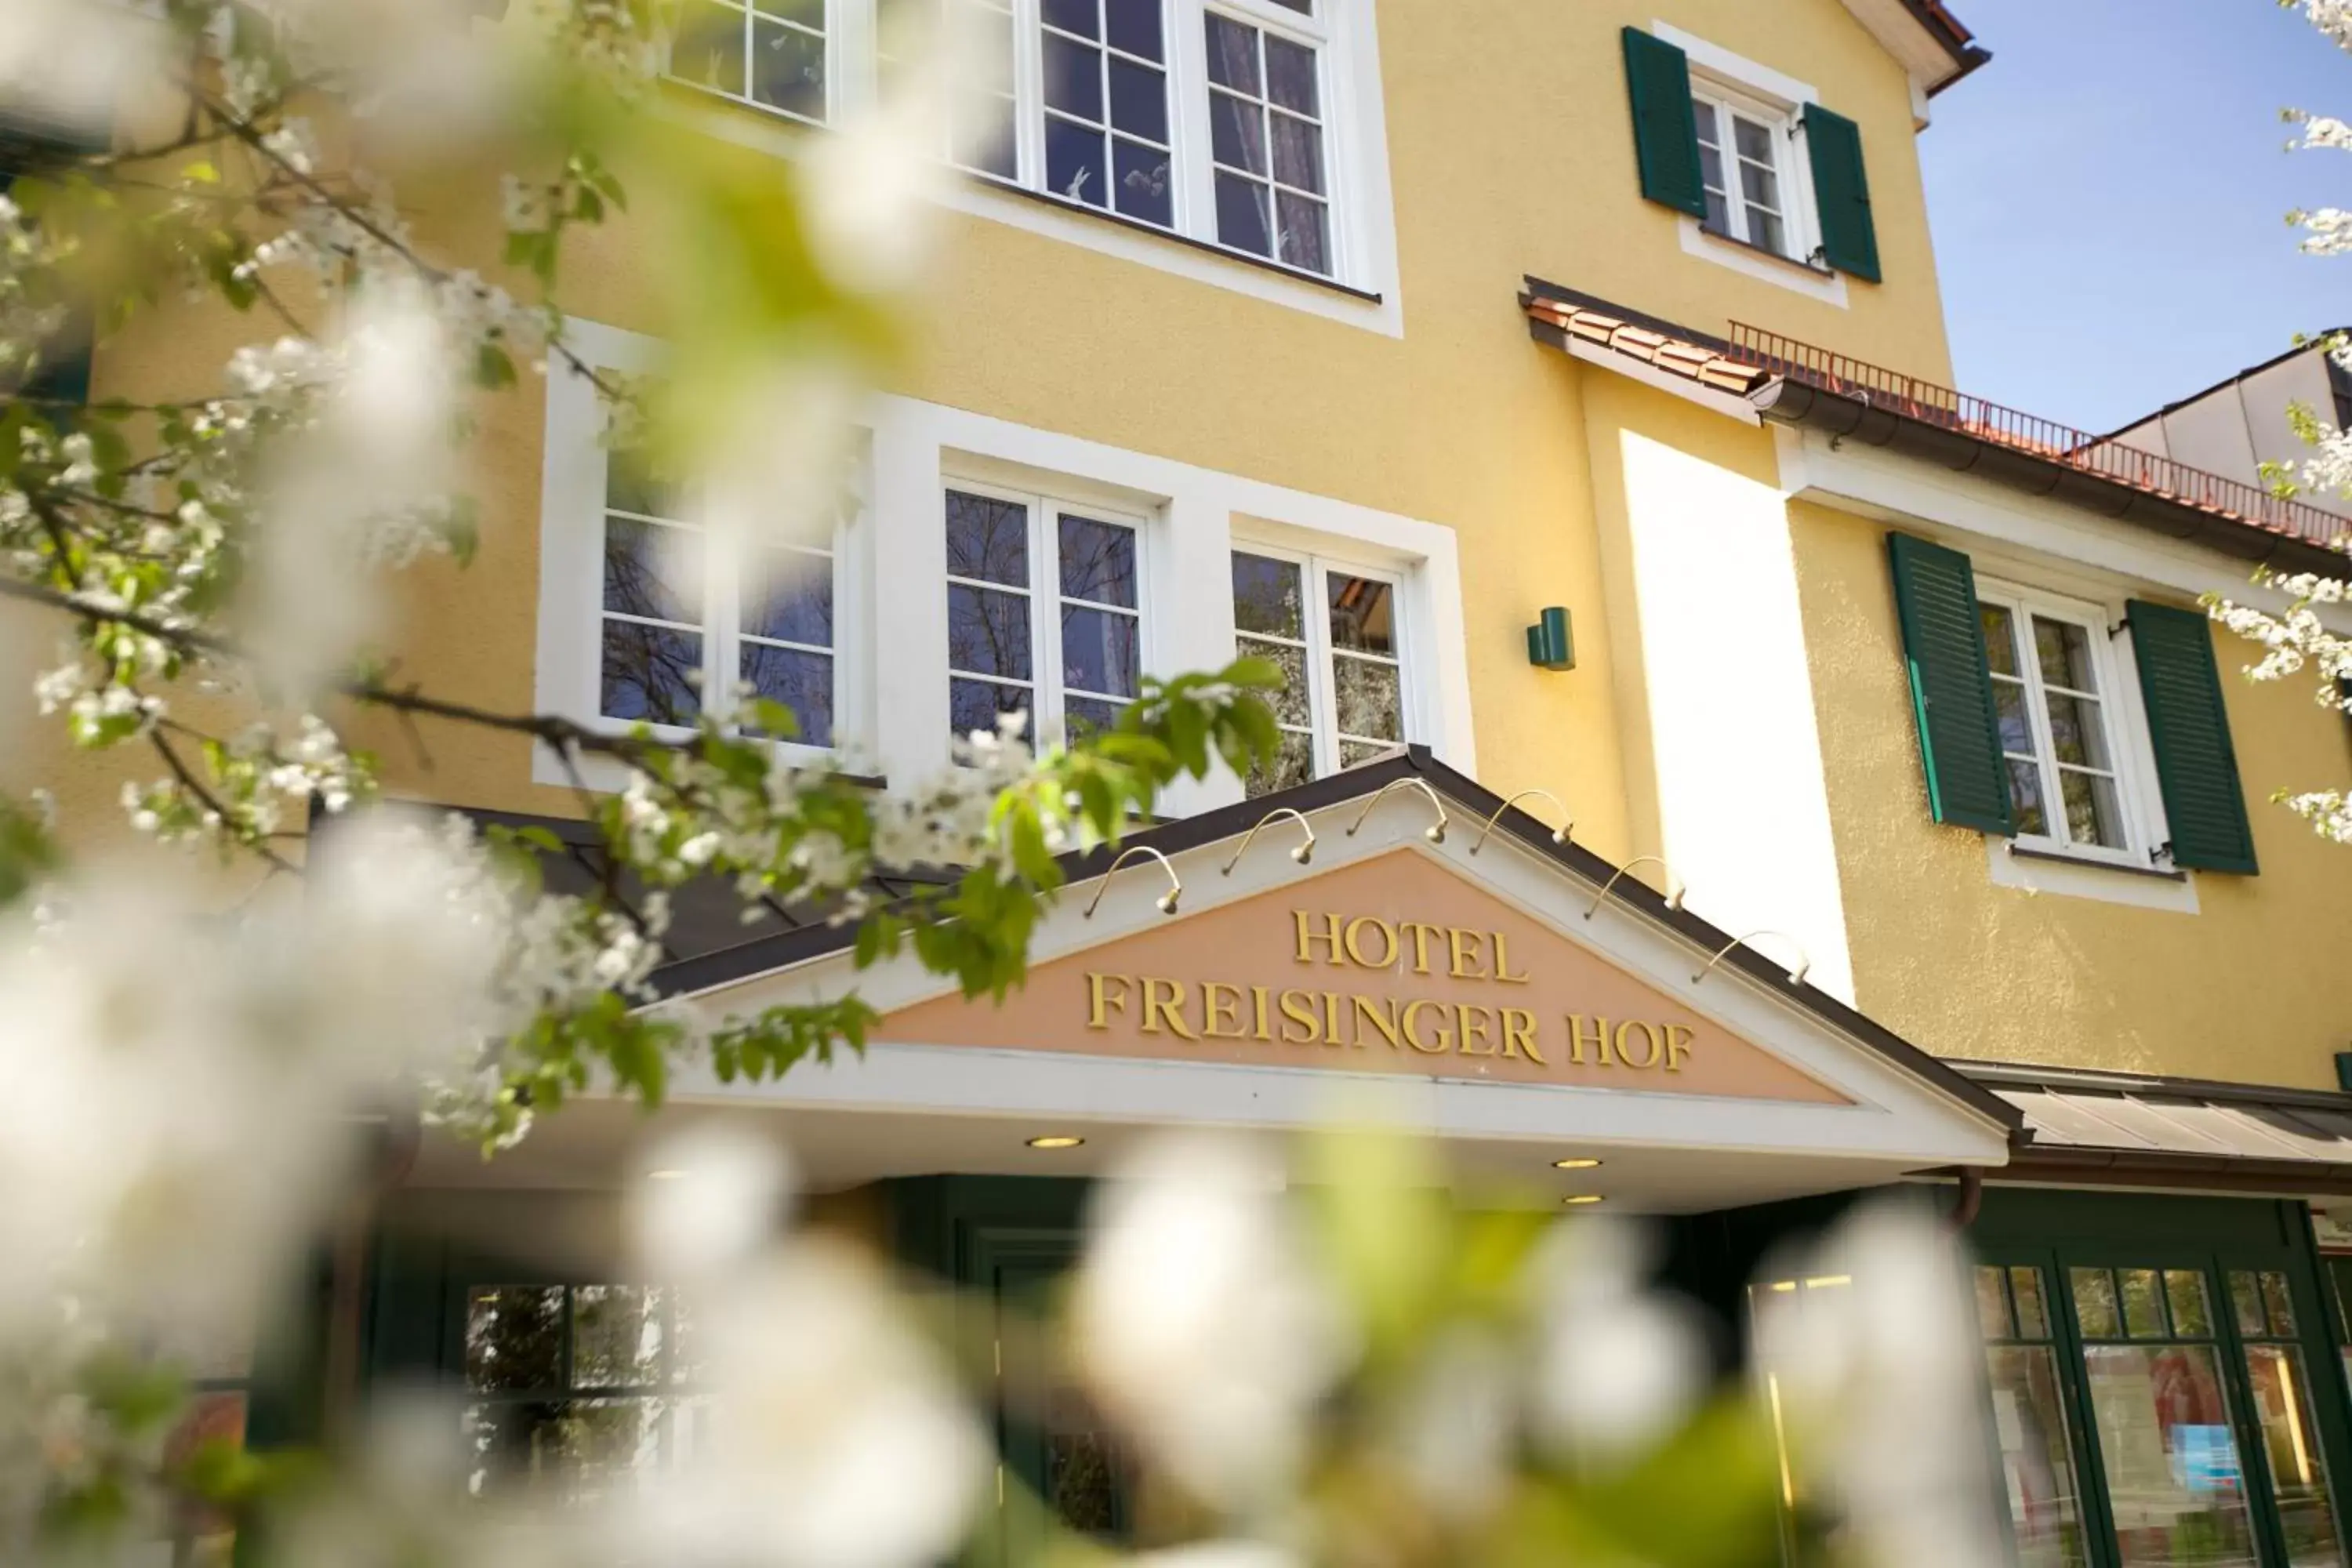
[1393, 964]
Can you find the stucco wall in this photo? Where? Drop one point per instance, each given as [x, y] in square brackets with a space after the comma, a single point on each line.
[2246, 989]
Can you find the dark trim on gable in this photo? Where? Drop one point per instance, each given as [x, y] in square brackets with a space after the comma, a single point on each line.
[1477, 804]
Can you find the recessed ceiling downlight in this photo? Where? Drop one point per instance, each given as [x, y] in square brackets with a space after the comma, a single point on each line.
[1056, 1141]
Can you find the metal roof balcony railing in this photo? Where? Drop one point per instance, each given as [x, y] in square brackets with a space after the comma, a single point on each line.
[1926, 401]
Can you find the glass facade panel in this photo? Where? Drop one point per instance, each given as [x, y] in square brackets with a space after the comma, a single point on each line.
[2282, 1397]
[2176, 1485]
[2037, 1466]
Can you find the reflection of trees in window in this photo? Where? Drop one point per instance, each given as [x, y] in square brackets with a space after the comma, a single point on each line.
[575, 1391]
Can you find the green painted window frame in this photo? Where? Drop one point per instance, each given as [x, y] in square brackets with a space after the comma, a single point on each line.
[2059, 1231]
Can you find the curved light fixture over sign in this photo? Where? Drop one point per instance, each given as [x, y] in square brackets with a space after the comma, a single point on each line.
[1167, 899]
[1435, 833]
[1675, 886]
[1302, 853]
[1558, 835]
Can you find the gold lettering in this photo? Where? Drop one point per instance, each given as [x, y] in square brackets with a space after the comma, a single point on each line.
[1464, 1014]
[1649, 1034]
[1503, 963]
[1171, 1007]
[1576, 1039]
[1330, 1017]
[1257, 998]
[1678, 1038]
[1388, 943]
[1464, 947]
[1383, 1017]
[1412, 1034]
[1221, 1003]
[1298, 1008]
[1520, 1035]
[1100, 998]
[1307, 939]
[1420, 934]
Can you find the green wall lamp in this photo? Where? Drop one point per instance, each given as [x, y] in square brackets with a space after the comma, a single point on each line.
[1550, 645]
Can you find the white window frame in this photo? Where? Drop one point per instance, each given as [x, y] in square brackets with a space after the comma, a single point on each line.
[1317, 569]
[2132, 755]
[836, 55]
[1799, 226]
[568, 675]
[1044, 591]
[1360, 288]
[1779, 99]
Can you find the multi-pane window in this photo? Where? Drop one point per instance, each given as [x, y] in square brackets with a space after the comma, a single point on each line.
[1265, 137]
[2029, 1418]
[771, 53]
[2051, 692]
[1740, 164]
[2154, 1383]
[2264, 1309]
[984, 107]
[1332, 632]
[575, 1391]
[1107, 137]
[690, 619]
[1045, 612]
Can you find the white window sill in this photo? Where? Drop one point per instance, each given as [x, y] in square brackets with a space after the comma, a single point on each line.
[1369, 301]
[603, 773]
[1794, 276]
[2034, 870]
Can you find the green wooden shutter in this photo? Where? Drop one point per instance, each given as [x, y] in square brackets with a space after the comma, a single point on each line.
[1842, 192]
[1665, 128]
[2191, 730]
[1951, 689]
[64, 370]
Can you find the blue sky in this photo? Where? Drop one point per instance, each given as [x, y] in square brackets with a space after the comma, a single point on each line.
[2108, 198]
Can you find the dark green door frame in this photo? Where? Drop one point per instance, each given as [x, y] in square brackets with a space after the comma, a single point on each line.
[2057, 1231]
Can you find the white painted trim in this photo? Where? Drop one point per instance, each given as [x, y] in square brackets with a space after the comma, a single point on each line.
[1738, 71]
[1728, 404]
[1794, 276]
[2105, 557]
[568, 634]
[1190, 517]
[2087, 879]
[1894, 1114]
[2134, 766]
[1362, 203]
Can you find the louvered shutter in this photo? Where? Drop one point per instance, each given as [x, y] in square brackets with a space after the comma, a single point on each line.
[2188, 727]
[1951, 689]
[1842, 192]
[1665, 128]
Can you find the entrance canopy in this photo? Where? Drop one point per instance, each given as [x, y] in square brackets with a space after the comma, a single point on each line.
[1391, 942]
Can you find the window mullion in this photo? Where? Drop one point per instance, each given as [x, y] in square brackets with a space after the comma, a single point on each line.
[2045, 745]
[1029, 92]
[1046, 614]
[1188, 115]
[1323, 702]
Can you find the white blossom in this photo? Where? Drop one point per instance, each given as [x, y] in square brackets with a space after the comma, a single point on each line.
[1200, 1321]
[1875, 1378]
[1620, 1364]
[835, 1436]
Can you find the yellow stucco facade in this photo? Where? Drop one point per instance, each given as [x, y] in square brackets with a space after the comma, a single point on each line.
[1509, 152]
